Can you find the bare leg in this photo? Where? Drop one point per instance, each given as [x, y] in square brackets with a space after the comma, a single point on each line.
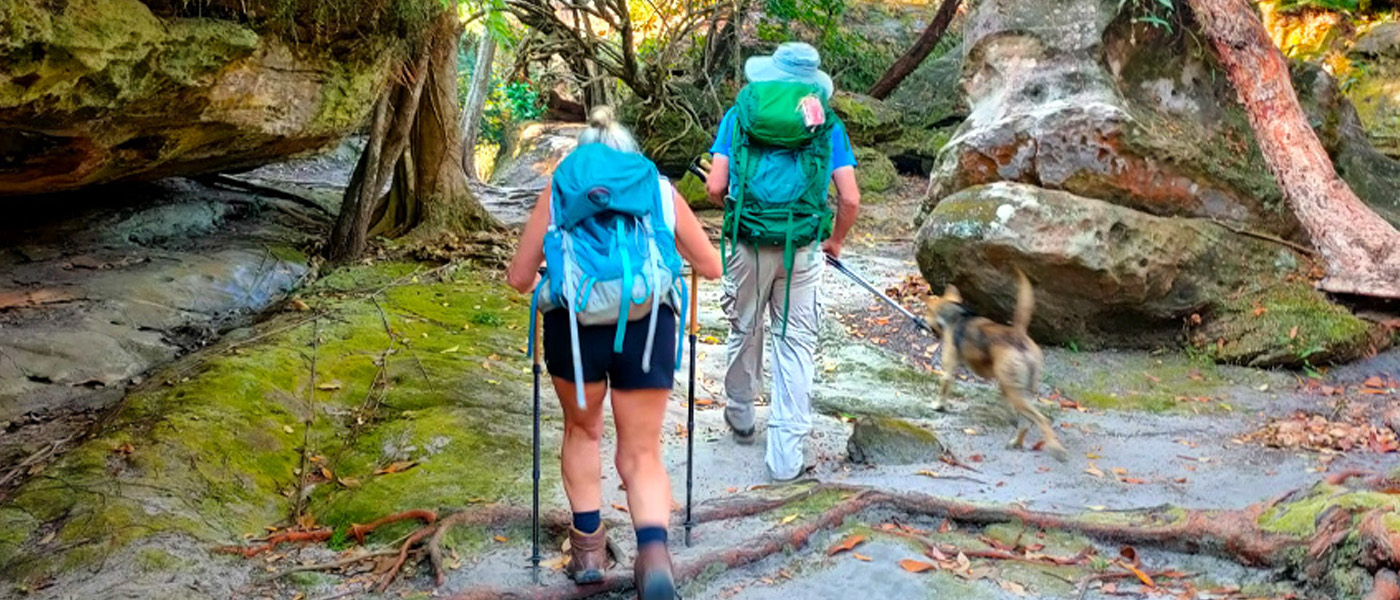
[580, 461]
[639, 415]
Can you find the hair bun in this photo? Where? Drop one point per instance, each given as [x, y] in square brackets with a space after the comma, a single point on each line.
[601, 117]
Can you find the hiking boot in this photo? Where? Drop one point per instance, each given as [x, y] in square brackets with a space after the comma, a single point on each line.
[588, 555]
[652, 573]
[743, 436]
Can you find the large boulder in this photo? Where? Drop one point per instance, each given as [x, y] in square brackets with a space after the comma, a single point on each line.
[95, 91]
[868, 121]
[1111, 275]
[532, 151]
[1072, 96]
[892, 441]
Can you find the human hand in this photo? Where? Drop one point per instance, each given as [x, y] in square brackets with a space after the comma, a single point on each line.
[833, 247]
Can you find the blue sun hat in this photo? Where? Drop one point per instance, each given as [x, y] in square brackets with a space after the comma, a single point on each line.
[793, 61]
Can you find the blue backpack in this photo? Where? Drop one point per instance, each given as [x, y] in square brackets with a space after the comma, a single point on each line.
[610, 251]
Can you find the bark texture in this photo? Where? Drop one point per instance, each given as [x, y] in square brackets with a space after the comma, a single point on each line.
[916, 54]
[1361, 250]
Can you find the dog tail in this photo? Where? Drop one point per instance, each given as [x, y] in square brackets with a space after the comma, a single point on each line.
[1025, 303]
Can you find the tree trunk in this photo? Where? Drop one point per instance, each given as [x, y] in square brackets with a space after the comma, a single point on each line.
[477, 91]
[415, 143]
[916, 55]
[1361, 250]
[442, 203]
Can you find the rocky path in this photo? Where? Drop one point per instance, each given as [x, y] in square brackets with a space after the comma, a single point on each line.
[1144, 430]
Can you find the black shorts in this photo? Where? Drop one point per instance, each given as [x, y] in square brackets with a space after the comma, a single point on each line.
[623, 370]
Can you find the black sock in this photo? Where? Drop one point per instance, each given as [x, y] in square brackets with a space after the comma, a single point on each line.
[652, 534]
[588, 522]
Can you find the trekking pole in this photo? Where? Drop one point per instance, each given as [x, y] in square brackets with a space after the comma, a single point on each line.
[836, 262]
[535, 512]
[694, 328]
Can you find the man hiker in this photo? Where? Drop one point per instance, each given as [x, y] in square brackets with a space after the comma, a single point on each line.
[774, 155]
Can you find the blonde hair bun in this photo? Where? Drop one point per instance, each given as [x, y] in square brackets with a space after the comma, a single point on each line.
[602, 117]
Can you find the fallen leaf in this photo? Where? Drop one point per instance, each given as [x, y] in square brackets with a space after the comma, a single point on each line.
[349, 482]
[1093, 470]
[1373, 382]
[326, 473]
[1119, 471]
[125, 449]
[928, 473]
[1132, 480]
[916, 566]
[397, 467]
[328, 387]
[704, 401]
[299, 306]
[1146, 580]
[288, 429]
[859, 556]
[1013, 587]
[1259, 311]
[788, 519]
[501, 539]
[1151, 377]
[451, 350]
[936, 554]
[1293, 333]
[620, 507]
[732, 490]
[1097, 508]
[945, 526]
[846, 545]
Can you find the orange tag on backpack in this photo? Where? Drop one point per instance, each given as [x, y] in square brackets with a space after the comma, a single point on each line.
[813, 115]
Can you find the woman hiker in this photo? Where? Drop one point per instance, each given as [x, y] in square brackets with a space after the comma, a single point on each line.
[602, 187]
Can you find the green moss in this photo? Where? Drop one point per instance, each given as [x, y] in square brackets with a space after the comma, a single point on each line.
[1298, 518]
[347, 95]
[1166, 383]
[155, 559]
[693, 190]
[1298, 325]
[217, 449]
[874, 172]
[867, 121]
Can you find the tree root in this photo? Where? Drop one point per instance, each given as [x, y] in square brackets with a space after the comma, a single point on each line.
[271, 543]
[360, 531]
[1231, 534]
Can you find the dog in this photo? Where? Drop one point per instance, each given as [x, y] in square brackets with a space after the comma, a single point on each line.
[1004, 353]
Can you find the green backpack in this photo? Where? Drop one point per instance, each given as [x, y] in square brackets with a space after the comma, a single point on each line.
[779, 172]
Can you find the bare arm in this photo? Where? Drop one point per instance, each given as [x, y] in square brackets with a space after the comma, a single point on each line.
[717, 184]
[847, 207]
[529, 253]
[692, 241]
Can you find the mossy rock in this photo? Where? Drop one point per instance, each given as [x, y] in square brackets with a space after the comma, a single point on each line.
[124, 93]
[668, 137]
[892, 441]
[214, 440]
[874, 171]
[916, 150]
[692, 188]
[868, 121]
[1284, 324]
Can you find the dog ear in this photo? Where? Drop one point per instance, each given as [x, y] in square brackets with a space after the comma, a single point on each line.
[951, 294]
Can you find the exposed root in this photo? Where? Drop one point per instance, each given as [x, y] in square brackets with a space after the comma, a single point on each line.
[408, 544]
[360, 531]
[271, 543]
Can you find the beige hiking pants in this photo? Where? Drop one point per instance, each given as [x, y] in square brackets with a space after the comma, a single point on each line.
[754, 288]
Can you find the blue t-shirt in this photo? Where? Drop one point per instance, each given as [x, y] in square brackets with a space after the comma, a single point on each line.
[842, 155]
